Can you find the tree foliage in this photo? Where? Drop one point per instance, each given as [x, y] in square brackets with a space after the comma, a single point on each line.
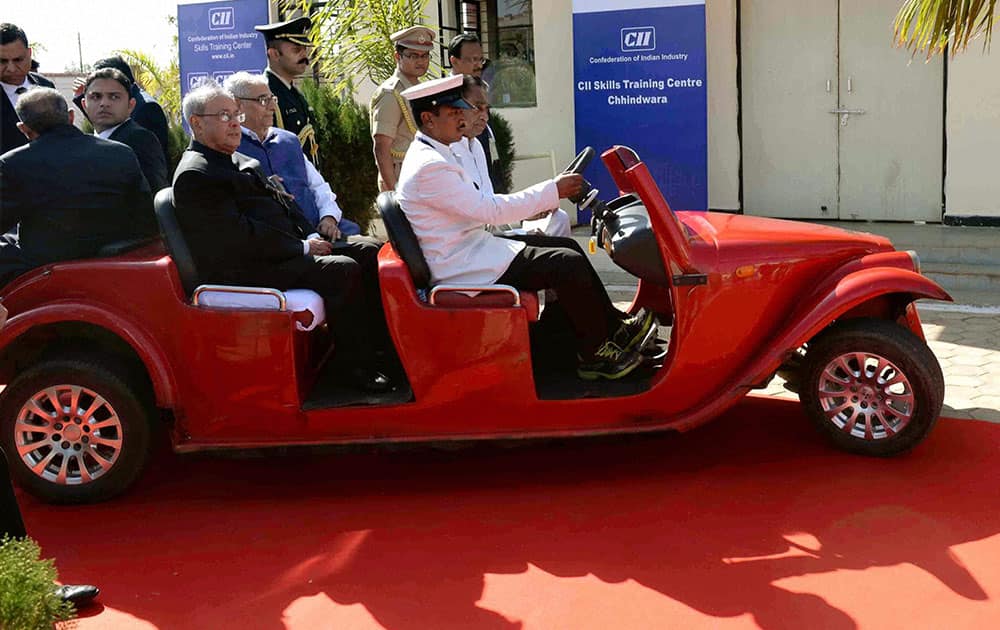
[351, 37]
[931, 25]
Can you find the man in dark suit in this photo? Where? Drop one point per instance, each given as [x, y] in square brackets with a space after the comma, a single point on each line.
[147, 113]
[287, 58]
[242, 230]
[108, 105]
[465, 53]
[17, 79]
[70, 193]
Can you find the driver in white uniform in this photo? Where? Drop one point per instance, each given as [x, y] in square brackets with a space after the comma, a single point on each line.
[448, 210]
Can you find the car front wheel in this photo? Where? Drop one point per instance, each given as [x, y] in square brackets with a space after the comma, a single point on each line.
[872, 387]
[75, 430]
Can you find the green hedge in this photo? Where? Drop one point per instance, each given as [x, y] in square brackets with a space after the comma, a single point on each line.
[28, 599]
[345, 150]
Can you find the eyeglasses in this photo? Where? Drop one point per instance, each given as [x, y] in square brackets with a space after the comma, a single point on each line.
[225, 116]
[417, 56]
[263, 101]
[477, 61]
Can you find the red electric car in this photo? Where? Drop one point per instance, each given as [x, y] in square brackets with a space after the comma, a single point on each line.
[96, 354]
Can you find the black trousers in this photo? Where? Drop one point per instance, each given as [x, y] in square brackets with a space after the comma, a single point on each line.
[347, 280]
[558, 263]
[10, 515]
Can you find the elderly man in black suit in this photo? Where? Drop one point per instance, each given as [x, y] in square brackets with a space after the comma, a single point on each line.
[242, 230]
[108, 105]
[70, 193]
[17, 79]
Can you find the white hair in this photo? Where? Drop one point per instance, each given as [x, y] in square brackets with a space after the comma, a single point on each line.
[240, 83]
[197, 99]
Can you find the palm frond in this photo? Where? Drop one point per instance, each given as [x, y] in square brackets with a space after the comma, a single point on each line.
[351, 37]
[163, 82]
[931, 26]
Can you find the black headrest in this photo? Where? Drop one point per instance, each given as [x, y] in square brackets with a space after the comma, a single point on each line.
[403, 240]
[174, 239]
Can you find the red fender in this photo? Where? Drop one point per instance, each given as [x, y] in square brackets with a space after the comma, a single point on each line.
[847, 293]
[152, 356]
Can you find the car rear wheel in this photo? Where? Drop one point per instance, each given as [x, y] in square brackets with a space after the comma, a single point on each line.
[75, 430]
[872, 387]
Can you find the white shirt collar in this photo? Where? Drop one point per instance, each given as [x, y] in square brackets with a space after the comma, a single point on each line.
[287, 84]
[442, 148]
[250, 132]
[107, 132]
[11, 90]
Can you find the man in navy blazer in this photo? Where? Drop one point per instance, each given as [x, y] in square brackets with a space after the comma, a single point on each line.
[108, 104]
[70, 194]
[17, 78]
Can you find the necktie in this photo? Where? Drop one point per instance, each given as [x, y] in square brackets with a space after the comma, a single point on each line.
[21, 90]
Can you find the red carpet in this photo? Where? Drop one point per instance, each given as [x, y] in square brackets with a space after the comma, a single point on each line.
[750, 521]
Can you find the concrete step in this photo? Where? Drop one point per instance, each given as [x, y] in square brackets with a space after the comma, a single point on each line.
[971, 277]
[936, 243]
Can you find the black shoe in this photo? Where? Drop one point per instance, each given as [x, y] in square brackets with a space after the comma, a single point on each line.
[636, 331]
[371, 380]
[609, 362]
[77, 594]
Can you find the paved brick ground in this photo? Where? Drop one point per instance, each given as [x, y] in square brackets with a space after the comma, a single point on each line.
[968, 347]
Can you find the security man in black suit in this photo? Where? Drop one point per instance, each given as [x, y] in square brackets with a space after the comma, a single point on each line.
[72, 194]
[287, 59]
[17, 78]
[242, 230]
[147, 113]
[107, 102]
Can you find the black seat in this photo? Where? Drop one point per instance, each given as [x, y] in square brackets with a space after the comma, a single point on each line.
[403, 240]
[174, 240]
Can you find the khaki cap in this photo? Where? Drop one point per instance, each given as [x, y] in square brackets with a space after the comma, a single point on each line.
[416, 37]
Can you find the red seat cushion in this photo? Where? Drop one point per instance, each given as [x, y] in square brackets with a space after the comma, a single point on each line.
[492, 299]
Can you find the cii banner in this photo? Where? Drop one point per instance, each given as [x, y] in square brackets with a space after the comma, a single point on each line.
[640, 77]
[217, 39]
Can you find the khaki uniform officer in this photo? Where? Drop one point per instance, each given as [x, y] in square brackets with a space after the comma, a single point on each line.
[392, 121]
[287, 58]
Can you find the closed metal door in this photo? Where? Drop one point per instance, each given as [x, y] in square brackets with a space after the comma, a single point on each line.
[890, 156]
[837, 123]
[789, 84]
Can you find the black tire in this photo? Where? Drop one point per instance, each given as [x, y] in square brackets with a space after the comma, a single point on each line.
[98, 457]
[869, 416]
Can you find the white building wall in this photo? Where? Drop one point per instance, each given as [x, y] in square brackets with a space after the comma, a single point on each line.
[972, 185]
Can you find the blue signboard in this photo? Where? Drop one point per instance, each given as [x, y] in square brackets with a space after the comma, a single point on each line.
[217, 39]
[640, 80]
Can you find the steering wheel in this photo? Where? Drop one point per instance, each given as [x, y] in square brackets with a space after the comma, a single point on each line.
[581, 161]
[579, 164]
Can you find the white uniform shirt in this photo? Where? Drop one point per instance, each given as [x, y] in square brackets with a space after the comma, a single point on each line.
[447, 212]
[473, 157]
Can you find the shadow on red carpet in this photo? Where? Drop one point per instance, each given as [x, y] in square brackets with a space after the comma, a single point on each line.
[709, 521]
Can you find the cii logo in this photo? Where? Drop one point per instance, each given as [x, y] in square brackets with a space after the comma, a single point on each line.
[221, 19]
[196, 79]
[637, 39]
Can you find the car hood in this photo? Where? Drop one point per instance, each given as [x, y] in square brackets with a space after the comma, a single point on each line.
[740, 239]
